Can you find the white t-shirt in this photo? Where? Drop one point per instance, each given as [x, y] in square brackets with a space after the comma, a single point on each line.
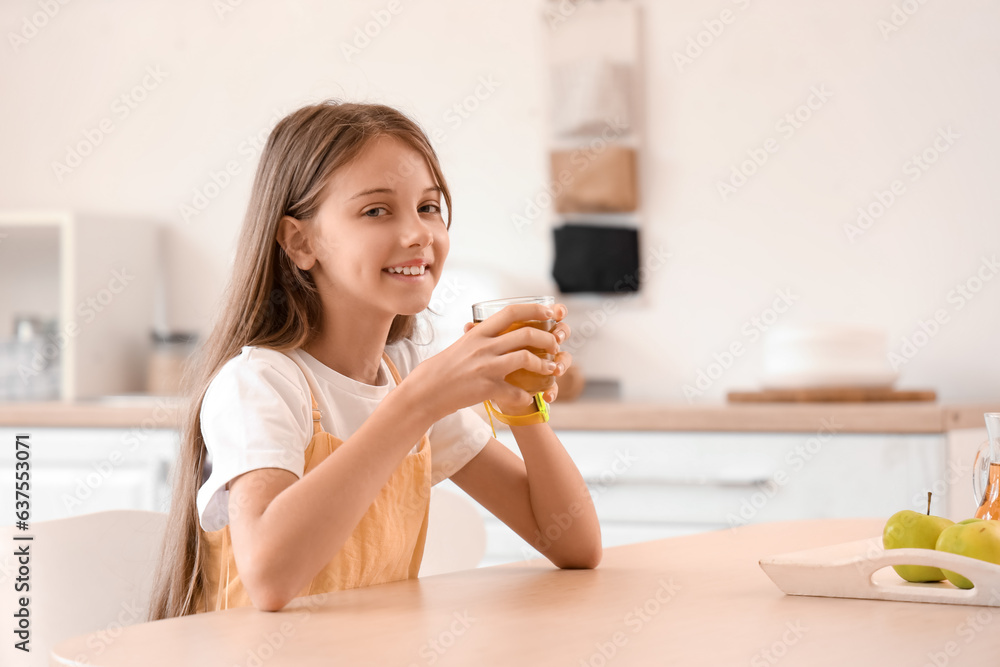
[257, 414]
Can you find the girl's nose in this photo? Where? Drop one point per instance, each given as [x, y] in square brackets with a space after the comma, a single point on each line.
[416, 232]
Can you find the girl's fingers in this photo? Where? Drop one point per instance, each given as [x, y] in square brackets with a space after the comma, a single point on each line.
[526, 360]
[563, 361]
[468, 326]
[519, 312]
[513, 396]
[561, 332]
[527, 337]
[551, 395]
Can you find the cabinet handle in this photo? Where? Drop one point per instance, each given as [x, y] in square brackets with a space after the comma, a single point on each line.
[164, 471]
[678, 481]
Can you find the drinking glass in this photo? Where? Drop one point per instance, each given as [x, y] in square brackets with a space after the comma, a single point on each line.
[986, 471]
[533, 383]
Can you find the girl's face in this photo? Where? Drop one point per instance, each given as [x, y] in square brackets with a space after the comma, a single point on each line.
[380, 239]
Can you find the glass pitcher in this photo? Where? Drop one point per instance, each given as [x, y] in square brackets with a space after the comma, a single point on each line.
[986, 471]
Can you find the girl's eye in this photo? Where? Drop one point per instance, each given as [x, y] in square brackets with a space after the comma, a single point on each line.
[437, 209]
[370, 211]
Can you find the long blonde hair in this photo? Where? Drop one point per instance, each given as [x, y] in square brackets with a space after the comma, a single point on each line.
[269, 301]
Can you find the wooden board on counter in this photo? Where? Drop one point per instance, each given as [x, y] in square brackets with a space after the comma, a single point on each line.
[757, 417]
[831, 395]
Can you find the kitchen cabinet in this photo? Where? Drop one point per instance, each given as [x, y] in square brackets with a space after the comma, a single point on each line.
[78, 471]
[655, 470]
[651, 485]
[97, 278]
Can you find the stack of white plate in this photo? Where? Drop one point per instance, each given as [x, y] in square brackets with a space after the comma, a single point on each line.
[797, 357]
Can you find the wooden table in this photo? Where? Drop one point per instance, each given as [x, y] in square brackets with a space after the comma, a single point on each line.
[695, 600]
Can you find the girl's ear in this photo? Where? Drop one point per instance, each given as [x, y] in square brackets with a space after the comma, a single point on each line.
[293, 237]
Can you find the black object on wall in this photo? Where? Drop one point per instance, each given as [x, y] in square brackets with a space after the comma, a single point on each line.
[590, 258]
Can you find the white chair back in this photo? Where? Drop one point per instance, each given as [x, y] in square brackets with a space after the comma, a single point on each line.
[456, 534]
[88, 573]
[94, 572]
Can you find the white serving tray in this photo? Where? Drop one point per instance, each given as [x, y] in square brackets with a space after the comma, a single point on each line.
[860, 570]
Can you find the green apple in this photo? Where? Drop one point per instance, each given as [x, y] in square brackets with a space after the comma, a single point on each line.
[912, 530]
[974, 538]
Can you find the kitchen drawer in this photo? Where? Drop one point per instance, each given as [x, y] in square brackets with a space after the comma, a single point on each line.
[648, 485]
[705, 477]
[79, 471]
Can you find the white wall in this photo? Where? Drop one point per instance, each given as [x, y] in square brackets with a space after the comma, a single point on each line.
[225, 78]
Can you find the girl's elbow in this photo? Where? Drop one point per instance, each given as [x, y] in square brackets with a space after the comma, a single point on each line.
[263, 591]
[267, 598]
[592, 558]
[583, 559]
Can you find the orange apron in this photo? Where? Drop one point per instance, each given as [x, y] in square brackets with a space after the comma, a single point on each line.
[386, 545]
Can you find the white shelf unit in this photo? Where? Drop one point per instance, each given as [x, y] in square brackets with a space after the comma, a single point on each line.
[97, 276]
[595, 60]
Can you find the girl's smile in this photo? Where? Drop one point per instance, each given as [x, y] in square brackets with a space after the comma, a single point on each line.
[412, 271]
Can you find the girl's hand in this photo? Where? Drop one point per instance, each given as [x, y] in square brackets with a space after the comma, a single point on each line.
[563, 361]
[472, 369]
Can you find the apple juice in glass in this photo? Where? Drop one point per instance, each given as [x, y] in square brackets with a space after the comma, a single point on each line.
[533, 383]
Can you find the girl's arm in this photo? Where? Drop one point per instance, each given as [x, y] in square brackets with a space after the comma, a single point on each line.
[284, 529]
[542, 498]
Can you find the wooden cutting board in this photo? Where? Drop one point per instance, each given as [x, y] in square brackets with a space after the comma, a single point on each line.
[859, 570]
[831, 395]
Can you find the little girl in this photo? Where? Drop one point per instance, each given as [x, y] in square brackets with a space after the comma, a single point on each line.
[324, 425]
